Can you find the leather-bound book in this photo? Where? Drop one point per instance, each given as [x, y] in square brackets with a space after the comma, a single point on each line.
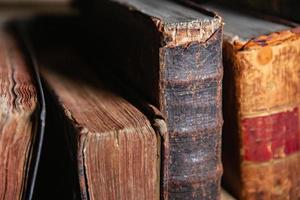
[261, 106]
[96, 142]
[172, 56]
[20, 114]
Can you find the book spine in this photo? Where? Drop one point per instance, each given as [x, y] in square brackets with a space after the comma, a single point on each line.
[267, 85]
[191, 82]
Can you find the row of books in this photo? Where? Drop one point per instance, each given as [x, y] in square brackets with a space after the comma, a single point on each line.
[150, 99]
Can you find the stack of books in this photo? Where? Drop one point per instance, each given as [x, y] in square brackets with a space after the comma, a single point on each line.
[149, 99]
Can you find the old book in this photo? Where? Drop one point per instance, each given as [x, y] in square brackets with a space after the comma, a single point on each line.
[21, 118]
[112, 150]
[261, 107]
[172, 55]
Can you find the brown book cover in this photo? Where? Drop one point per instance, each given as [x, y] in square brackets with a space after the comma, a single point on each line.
[172, 55]
[261, 106]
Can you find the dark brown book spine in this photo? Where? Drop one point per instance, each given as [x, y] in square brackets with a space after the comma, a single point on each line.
[191, 94]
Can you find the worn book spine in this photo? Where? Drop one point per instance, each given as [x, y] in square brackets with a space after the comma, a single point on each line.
[191, 102]
[178, 67]
[261, 105]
